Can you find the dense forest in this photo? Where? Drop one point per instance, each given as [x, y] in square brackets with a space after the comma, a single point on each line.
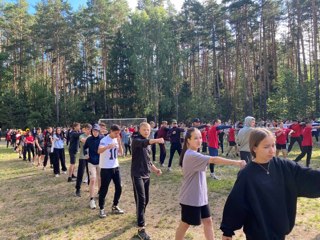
[226, 60]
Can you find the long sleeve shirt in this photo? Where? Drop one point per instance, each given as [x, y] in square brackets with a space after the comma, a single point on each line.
[141, 163]
[174, 134]
[213, 140]
[265, 204]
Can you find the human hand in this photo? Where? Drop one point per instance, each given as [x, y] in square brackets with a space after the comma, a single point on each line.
[160, 140]
[242, 163]
[158, 172]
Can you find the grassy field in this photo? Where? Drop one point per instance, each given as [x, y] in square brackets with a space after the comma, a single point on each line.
[36, 205]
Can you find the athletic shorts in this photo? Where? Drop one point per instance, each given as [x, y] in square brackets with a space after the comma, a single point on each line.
[94, 170]
[281, 146]
[231, 144]
[193, 215]
[40, 152]
[72, 157]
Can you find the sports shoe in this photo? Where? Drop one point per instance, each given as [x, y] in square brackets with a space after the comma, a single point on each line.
[169, 169]
[213, 176]
[102, 213]
[57, 175]
[85, 180]
[162, 164]
[117, 210]
[69, 179]
[92, 204]
[64, 172]
[78, 193]
[143, 235]
[73, 176]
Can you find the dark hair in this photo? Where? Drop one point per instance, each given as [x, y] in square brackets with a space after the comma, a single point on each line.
[256, 136]
[185, 144]
[115, 127]
[75, 124]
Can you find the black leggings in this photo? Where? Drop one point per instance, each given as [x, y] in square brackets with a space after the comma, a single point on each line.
[292, 141]
[83, 164]
[305, 150]
[59, 156]
[30, 149]
[173, 148]
[141, 197]
[106, 176]
[127, 147]
[163, 152]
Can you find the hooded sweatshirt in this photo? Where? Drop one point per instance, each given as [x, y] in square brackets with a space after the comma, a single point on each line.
[244, 134]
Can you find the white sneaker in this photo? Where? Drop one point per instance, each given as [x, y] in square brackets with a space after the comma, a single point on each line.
[85, 180]
[92, 204]
[213, 176]
[169, 169]
[57, 175]
[64, 172]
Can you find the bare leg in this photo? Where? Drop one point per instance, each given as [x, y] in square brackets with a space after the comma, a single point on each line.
[181, 230]
[208, 228]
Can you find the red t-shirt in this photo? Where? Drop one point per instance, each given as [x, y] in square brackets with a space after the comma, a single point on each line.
[29, 139]
[231, 135]
[282, 139]
[204, 136]
[213, 137]
[132, 130]
[297, 130]
[307, 137]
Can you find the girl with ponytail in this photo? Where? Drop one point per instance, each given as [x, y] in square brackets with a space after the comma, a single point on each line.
[193, 193]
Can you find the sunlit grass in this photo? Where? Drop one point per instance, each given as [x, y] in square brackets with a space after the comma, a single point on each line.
[35, 205]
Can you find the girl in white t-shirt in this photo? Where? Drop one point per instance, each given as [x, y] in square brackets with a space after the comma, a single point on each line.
[193, 193]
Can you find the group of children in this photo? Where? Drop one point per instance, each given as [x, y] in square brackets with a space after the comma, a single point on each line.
[261, 181]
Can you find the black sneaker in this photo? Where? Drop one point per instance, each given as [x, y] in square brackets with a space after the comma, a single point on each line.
[117, 210]
[78, 193]
[69, 179]
[73, 176]
[143, 235]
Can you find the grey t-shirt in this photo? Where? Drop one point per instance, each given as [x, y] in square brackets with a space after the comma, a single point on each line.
[81, 145]
[194, 191]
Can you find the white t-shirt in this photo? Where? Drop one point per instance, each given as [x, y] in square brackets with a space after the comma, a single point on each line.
[109, 158]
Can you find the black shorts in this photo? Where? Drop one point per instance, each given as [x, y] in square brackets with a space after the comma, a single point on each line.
[281, 146]
[231, 144]
[40, 152]
[193, 215]
[72, 157]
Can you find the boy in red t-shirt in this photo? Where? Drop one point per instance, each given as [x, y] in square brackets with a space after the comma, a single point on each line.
[306, 143]
[281, 140]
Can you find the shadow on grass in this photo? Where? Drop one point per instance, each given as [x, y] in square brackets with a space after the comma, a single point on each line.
[118, 232]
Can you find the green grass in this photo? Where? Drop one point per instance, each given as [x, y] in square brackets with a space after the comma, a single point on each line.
[36, 205]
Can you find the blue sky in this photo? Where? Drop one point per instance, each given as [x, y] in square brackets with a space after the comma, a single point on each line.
[76, 3]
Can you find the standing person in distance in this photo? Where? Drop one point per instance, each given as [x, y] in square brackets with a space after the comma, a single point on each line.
[58, 149]
[73, 149]
[126, 139]
[306, 143]
[281, 139]
[243, 138]
[90, 150]
[141, 166]
[213, 143]
[83, 163]
[193, 193]
[40, 149]
[48, 144]
[295, 135]
[174, 134]
[263, 200]
[109, 149]
[162, 133]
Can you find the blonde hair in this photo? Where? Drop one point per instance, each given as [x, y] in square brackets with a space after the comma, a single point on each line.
[256, 136]
[144, 124]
